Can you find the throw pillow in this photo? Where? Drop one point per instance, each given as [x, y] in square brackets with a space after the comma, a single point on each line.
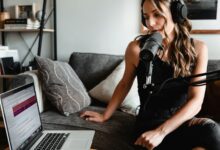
[62, 86]
[104, 90]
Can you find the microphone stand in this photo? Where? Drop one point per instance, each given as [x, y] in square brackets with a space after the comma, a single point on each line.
[185, 81]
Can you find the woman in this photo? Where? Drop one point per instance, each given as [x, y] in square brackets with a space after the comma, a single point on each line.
[166, 120]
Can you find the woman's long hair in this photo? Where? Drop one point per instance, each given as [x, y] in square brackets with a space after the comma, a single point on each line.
[182, 56]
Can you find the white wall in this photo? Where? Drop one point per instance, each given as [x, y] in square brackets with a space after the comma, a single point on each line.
[100, 26]
[105, 26]
[213, 43]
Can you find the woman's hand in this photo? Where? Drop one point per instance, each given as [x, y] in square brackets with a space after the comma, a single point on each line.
[150, 139]
[93, 116]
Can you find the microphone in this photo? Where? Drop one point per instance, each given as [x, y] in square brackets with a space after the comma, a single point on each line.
[147, 53]
[151, 46]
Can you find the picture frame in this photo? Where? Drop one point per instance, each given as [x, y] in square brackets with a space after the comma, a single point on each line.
[25, 11]
[204, 15]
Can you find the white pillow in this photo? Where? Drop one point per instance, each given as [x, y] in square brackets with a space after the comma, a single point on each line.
[104, 90]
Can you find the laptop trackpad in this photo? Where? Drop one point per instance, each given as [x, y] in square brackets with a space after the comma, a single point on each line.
[79, 144]
[80, 140]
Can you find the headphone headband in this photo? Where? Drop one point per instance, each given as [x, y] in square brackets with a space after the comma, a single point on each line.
[178, 11]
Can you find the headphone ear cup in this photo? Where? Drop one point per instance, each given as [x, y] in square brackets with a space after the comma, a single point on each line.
[184, 11]
[178, 11]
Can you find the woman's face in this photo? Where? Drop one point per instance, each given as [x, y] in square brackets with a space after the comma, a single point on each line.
[155, 21]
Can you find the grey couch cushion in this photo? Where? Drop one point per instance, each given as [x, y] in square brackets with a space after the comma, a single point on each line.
[213, 65]
[115, 134]
[62, 86]
[93, 68]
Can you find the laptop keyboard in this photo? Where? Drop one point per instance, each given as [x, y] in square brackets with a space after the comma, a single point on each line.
[52, 141]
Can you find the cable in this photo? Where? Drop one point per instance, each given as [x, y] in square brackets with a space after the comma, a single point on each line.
[186, 80]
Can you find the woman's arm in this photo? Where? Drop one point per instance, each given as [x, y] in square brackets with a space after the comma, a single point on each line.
[153, 138]
[195, 93]
[123, 87]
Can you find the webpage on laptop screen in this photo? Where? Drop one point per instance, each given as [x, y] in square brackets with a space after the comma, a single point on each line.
[22, 116]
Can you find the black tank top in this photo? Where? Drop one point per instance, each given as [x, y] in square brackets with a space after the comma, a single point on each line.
[157, 108]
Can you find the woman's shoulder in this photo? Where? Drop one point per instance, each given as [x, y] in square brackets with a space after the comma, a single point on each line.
[137, 43]
[132, 52]
[134, 45]
[199, 43]
[200, 47]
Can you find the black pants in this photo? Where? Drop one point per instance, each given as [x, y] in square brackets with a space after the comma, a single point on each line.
[197, 132]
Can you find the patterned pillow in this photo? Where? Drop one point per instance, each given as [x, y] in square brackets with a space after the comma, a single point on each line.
[62, 86]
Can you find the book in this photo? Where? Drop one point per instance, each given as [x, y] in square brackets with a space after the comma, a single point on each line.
[16, 21]
[21, 24]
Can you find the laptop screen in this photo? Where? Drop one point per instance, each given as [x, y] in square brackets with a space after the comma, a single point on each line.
[21, 115]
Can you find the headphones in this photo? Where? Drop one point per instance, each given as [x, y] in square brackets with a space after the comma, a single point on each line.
[178, 11]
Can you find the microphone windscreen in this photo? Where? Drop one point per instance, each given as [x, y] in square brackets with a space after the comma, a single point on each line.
[151, 46]
[156, 36]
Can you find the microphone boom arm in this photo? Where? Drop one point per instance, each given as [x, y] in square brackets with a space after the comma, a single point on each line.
[215, 76]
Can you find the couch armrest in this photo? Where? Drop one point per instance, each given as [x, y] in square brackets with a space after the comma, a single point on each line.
[38, 89]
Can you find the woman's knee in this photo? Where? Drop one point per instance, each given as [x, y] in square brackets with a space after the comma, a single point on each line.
[212, 134]
[212, 128]
[198, 148]
[207, 125]
[207, 131]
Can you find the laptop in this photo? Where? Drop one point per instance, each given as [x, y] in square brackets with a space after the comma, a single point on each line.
[24, 128]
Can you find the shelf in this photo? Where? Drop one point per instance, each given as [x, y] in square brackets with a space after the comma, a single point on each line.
[39, 33]
[7, 76]
[25, 30]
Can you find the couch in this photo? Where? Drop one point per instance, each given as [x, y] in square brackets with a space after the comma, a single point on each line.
[113, 134]
[116, 133]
